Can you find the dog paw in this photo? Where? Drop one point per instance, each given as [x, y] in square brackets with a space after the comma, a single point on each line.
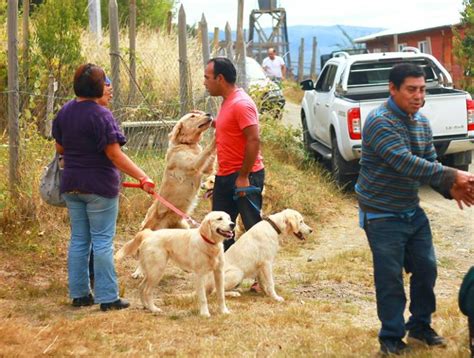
[155, 310]
[137, 275]
[205, 314]
[225, 310]
[278, 298]
[232, 294]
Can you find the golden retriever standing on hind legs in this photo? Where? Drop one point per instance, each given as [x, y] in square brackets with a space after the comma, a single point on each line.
[196, 250]
[186, 162]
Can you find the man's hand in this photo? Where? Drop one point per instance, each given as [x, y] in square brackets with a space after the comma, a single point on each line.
[242, 182]
[463, 189]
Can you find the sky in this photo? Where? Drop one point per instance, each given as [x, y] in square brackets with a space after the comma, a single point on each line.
[368, 13]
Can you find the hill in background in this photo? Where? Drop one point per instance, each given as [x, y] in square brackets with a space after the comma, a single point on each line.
[330, 38]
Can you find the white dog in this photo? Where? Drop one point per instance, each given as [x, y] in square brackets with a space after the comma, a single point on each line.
[253, 254]
[195, 250]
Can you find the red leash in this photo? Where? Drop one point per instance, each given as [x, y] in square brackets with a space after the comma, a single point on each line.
[164, 202]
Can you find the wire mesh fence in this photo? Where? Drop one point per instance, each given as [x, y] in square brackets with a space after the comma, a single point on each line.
[149, 103]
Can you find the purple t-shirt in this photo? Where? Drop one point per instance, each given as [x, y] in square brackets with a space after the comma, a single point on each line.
[84, 129]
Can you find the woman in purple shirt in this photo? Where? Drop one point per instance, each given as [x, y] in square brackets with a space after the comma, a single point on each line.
[89, 139]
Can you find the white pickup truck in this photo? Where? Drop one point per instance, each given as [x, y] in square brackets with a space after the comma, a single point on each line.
[334, 109]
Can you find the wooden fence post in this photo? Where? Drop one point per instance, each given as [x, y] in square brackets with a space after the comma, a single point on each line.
[48, 120]
[132, 43]
[204, 41]
[228, 42]
[13, 100]
[115, 53]
[183, 62]
[301, 61]
[240, 49]
[95, 19]
[26, 43]
[313, 59]
[169, 24]
[215, 42]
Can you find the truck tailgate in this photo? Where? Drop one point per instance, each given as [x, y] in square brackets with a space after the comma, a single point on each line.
[447, 114]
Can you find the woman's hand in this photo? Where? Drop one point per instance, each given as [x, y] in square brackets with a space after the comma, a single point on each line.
[147, 185]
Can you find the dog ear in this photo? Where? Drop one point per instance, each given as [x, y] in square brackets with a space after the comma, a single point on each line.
[205, 229]
[292, 223]
[174, 134]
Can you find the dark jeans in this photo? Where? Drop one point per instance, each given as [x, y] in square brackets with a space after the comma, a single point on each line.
[223, 200]
[471, 335]
[398, 243]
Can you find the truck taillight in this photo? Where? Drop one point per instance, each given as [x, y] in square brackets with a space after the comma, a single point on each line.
[353, 123]
[470, 114]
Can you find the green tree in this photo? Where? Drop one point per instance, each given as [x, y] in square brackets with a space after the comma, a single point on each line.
[57, 35]
[151, 13]
[464, 44]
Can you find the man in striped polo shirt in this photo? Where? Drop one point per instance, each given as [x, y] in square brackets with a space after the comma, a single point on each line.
[397, 156]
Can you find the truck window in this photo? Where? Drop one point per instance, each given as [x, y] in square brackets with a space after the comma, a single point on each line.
[326, 80]
[376, 73]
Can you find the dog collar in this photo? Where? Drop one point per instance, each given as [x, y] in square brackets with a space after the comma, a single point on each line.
[272, 223]
[207, 240]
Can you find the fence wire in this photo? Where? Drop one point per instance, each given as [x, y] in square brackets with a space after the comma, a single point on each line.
[149, 103]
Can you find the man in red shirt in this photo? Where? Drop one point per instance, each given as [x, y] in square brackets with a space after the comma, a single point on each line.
[240, 163]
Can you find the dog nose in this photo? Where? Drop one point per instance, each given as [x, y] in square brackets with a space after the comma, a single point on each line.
[232, 225]
[209, 115]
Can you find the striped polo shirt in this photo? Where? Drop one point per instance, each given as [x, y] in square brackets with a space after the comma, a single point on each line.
[397, 156]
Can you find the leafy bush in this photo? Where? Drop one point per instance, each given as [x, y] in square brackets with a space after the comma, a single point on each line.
[57, 35]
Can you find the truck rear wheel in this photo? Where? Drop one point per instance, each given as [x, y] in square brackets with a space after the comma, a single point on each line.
[342, 170]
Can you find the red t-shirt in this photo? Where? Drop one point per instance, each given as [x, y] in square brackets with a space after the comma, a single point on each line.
[237, 112]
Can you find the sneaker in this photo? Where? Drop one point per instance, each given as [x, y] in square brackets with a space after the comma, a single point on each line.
[255, 287]
[427, 335]
[393, 346]
[116, 305]
[83, 301]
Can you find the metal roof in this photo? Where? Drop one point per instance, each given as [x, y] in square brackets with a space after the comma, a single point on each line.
[401, 30]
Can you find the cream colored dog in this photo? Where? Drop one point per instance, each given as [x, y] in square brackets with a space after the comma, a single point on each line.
[186, 162]
[195, 250]
[254, 253]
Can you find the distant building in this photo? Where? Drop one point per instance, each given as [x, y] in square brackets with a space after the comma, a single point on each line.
[436, 40]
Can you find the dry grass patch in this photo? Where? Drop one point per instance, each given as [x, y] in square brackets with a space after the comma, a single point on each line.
[292, 91]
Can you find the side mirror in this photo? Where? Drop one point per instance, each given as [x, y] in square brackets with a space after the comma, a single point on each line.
[307, 85]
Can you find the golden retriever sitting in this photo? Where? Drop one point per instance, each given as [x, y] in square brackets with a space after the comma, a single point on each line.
[198, 250]
[186, 162]
[253, 254]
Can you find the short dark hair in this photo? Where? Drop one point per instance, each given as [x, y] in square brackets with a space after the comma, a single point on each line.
[89, 80]
[399, 72]
[223, 66]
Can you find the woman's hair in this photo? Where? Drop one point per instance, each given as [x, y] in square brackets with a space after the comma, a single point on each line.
[89, 81]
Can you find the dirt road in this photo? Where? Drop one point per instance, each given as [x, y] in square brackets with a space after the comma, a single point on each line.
[453, 229]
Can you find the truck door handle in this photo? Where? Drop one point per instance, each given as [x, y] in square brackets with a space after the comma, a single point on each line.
[327, 105]
[317, 103]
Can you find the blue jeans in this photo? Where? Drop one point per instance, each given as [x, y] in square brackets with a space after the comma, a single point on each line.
[93, 220]
[398, 243]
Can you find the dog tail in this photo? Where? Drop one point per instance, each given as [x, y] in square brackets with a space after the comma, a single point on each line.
[132, 246]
